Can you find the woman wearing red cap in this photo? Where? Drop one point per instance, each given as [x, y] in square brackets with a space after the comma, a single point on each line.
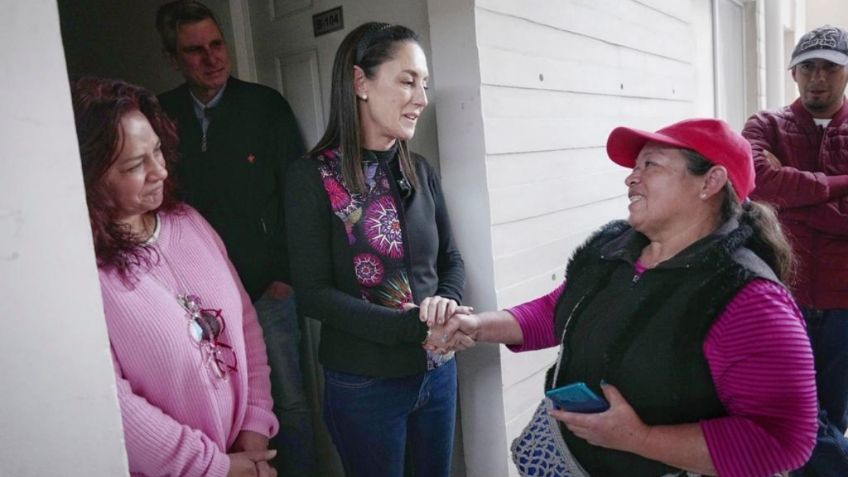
[679, 318]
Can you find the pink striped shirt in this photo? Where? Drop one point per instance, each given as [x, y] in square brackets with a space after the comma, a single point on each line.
[762, 366]
[178, 418]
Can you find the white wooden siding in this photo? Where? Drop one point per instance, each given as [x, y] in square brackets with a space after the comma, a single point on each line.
[551, 92]
[548, 58]
[518, 241]
[556, 78]
[521, 120]
[639, 25]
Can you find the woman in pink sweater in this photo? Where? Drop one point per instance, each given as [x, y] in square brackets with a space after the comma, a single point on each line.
[678, 318]
[189, 356]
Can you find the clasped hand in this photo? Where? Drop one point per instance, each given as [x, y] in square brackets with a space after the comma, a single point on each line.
[249, 456]
[453, 327]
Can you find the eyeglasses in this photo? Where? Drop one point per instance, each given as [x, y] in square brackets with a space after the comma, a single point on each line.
[205, 326]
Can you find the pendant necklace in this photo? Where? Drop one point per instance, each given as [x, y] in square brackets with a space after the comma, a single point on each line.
[205, 325]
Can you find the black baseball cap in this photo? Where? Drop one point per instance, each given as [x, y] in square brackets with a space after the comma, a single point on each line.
[825, 42]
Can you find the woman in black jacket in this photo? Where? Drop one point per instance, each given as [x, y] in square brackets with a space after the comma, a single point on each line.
[369, 238]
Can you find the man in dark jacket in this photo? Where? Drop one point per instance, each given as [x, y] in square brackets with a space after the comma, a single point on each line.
[236, 139]
[801, 158]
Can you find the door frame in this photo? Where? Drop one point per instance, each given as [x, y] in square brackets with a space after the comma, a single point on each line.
[242, 43]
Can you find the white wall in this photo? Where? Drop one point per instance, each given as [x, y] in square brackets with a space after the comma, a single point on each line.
[58, 410]
[784, 25]
[703, 59]
[821, 12]
[757, 57]
[528, 93]
[456, 68]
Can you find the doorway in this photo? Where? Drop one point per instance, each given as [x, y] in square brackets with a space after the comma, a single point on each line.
[272, 43]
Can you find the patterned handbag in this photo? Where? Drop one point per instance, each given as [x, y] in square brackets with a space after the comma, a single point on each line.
[540, 450]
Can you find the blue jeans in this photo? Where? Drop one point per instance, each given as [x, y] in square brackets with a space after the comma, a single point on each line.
[828, 331]
[374, 422]
[295, 442]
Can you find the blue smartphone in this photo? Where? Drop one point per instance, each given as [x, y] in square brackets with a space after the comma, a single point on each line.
[577, 397]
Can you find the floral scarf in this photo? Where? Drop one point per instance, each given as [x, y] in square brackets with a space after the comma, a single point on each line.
[375, 233]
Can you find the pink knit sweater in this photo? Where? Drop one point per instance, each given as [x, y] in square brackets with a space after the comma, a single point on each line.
[178, 418]
[760, 360]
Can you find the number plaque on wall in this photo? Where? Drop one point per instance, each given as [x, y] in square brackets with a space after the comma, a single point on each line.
[326, 22]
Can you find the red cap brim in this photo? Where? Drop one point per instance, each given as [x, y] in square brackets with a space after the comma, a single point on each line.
[624, 144]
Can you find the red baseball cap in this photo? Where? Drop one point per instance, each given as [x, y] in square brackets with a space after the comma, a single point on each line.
[712, 138]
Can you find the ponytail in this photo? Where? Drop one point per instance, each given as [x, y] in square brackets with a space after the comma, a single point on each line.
[768, 241]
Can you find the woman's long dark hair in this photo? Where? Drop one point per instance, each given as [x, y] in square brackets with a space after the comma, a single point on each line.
[768, 241]
[99, 105]
[367, 46]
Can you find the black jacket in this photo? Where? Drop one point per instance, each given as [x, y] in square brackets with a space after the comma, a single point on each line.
[645, 334]
[238, 183]
[357, 336]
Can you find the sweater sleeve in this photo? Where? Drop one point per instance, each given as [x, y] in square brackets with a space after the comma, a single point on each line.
[760, 360]
[784, 186]
[309, 223]
[450, 267]
[260, 416]
[159, 445]
[536, 319]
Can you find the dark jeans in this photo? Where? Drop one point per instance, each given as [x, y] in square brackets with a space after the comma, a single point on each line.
[375, 421]
[295, 442]
[828, 331]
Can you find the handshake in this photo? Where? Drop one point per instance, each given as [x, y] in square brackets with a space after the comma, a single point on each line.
[452, 327]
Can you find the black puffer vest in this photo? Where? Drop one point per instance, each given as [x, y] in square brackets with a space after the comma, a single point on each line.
[645, 334]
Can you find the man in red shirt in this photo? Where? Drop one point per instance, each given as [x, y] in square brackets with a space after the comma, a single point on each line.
[801, 159]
